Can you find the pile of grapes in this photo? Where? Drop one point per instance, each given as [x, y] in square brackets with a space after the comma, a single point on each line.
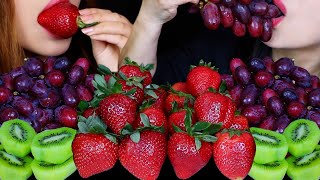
[45, 94]
[272, 94]
[254, 16]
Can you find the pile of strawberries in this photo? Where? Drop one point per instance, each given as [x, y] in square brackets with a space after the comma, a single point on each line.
[189, 122]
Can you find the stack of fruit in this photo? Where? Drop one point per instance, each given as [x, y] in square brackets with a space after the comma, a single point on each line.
[272, 94]
[51, 152]
[257, 16]
[46, 94]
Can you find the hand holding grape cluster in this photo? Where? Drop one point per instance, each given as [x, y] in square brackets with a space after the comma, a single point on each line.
[254, 16]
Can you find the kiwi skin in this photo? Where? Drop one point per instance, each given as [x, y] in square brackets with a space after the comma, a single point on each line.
[302, 145]
[9, 171]
[271, 171]
[47, 171]
[267, 153]
[54, 151]
[17, 141]
[308, 169]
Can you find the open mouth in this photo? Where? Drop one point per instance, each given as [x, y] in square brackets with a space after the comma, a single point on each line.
[280, 14]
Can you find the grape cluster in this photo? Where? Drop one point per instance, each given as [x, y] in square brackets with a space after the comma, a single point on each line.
[271, 94]
[45, 94]
[254, 16]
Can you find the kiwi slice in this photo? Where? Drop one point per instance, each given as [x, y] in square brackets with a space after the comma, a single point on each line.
[48, 171]
[273, 171]
[1, 147]
[12, 167]
[317, 148]
[302, 136]
[16, 137]
[53, 146]
[306, 167]
[270, 146]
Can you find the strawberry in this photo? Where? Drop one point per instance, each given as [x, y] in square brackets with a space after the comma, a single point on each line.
[239, 122]
[214, 108]
[138, 94]
[132, 69]
[177, 119]
[233, 154]
[88, 112]
[184, 157]
[144, 157]
[159, 100]
[181, 99]
[234, 63]
[201, 78]
[93, 154]
[180, 86]
[116, 110]
[60, 19]
[156, 118]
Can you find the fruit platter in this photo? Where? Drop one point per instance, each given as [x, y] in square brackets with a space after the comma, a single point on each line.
[65, 119]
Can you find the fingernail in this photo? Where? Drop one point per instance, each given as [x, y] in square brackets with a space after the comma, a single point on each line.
[86, 19]
[87, 30]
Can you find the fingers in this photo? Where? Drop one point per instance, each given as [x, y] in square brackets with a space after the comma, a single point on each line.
[117, 40]
[110, 27]
[100, 15]
[179, 2]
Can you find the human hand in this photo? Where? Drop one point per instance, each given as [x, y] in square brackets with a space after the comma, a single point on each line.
[108, 37]
[161, 11]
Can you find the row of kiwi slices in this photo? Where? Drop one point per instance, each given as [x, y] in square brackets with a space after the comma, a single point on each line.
[296, 152]
[23, 152]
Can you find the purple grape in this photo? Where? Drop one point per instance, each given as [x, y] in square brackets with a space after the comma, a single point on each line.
[242, 75]
[269, 63]
[302, 95]
[7, 80]
[39, 89]
[228, 79]
[273, 12]
[1, 82]
[211, 16]
[301, 76]
[281, 123]
[75, 75]
[8, 113]
[50, 113]
[266, 30]
[52, 126]
[280, 85]
[62, 64]
[314, 116]
[229, 3]
[22, 105]
[249, 95]
[84, 93]
[36, 125]
[242, 13]
[235, 94]
[264, 79]
[266, 95]
[289, 95]
[255, 114]
[284, 67]
[48, 64]
[259, 8]
[275, 106]
[88, 82]
[314, 98]
[296, 110]
[23, 83]
[34, 67]
[315, 82]
[51, 100]
[55, 78]
[256, 65]
[17, 72]
[41, 116]
[268, 123]
[70, 96]
[5, 95]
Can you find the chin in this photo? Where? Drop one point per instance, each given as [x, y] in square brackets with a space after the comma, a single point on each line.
[51, 48]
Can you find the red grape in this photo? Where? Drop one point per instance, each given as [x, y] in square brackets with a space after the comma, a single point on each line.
[258, 8]
[88, 82]
[267, 30]
[242, 75]
[302, 95]
[242, 13]
[275, 106]
[234, 63]
[8, 113]
[264, 79]
[22, 105]
[245, 1]
[235, 94]
[84, 63]
[76, 75]
[282, 122]
[255, 27]
[296, 110]
[63, 64]
[34, 67]
[55, 78]
[67, 116]
[254, 114]
[228, 79]
[273, 12]
[70, 96]
[51, 100]
[238, 28]
[5, 95]
[227, 19]
[249, 95]
[84, 93]
[267, 94]
[268, 123]
[315, 82]
[211, 16]
[284, 66]
[48, 64]
[269, 63]
[314, 116]
[314, 98]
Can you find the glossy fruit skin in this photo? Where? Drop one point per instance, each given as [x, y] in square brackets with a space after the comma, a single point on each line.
[60, 19]
[93, 154]
[211, 16]
[177, 119]
[239, 122]
[234, 156]
[116, 110]
[227, 18]
[242, 13]
[254, 114]
[137, 95]
[145, 158]
[67, 116]
[156, 117]
[184, 157]
[134, 71]
[5, 95]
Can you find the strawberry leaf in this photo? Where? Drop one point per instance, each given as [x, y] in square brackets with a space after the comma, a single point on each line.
[131, 91]
[152, 86]
[209, 138]
[211, 89]
[99, 79]
[200, 126]
[151, 93]
[83, 128]
[145, 120]
[82, 25]
[237, 113]
[174, 107]
[104, 70]
[213, 128]
[111, 138]
[223, 87]
[128, 129]
[188, 121]
[176, 128]
[135, 137]
[198, 143]
[111, 81]
[82, 106]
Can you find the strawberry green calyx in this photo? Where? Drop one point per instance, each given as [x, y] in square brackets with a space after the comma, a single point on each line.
[135, 134]
[82, 25]
[233, 132]
[201, 131]
[132, 81]
[143, 68]
[202, 63]
[94, 125]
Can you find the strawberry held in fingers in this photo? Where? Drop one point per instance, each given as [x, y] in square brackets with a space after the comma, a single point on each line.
[233, 153]
[60, 19]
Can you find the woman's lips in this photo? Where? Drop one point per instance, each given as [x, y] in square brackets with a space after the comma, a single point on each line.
[53, 2]
[276, 21]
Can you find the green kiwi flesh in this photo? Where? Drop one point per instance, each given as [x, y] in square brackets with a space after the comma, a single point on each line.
[48, 171]
[306, 167]
[317, 148]
[302, 136]
[53, 146]
[270, 171]
[270, 146]
[12, 167]
[16, 137]
[1, 147]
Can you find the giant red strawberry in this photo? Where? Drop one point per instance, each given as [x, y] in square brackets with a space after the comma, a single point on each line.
[201, 78]
[60, 19]
[116, 110]
[184, 156]
[138, 94]
[214, 108]
[233, 153]
[155, 116]
[144, 158]
[177, 119]
[159, 100]
[93, 154]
